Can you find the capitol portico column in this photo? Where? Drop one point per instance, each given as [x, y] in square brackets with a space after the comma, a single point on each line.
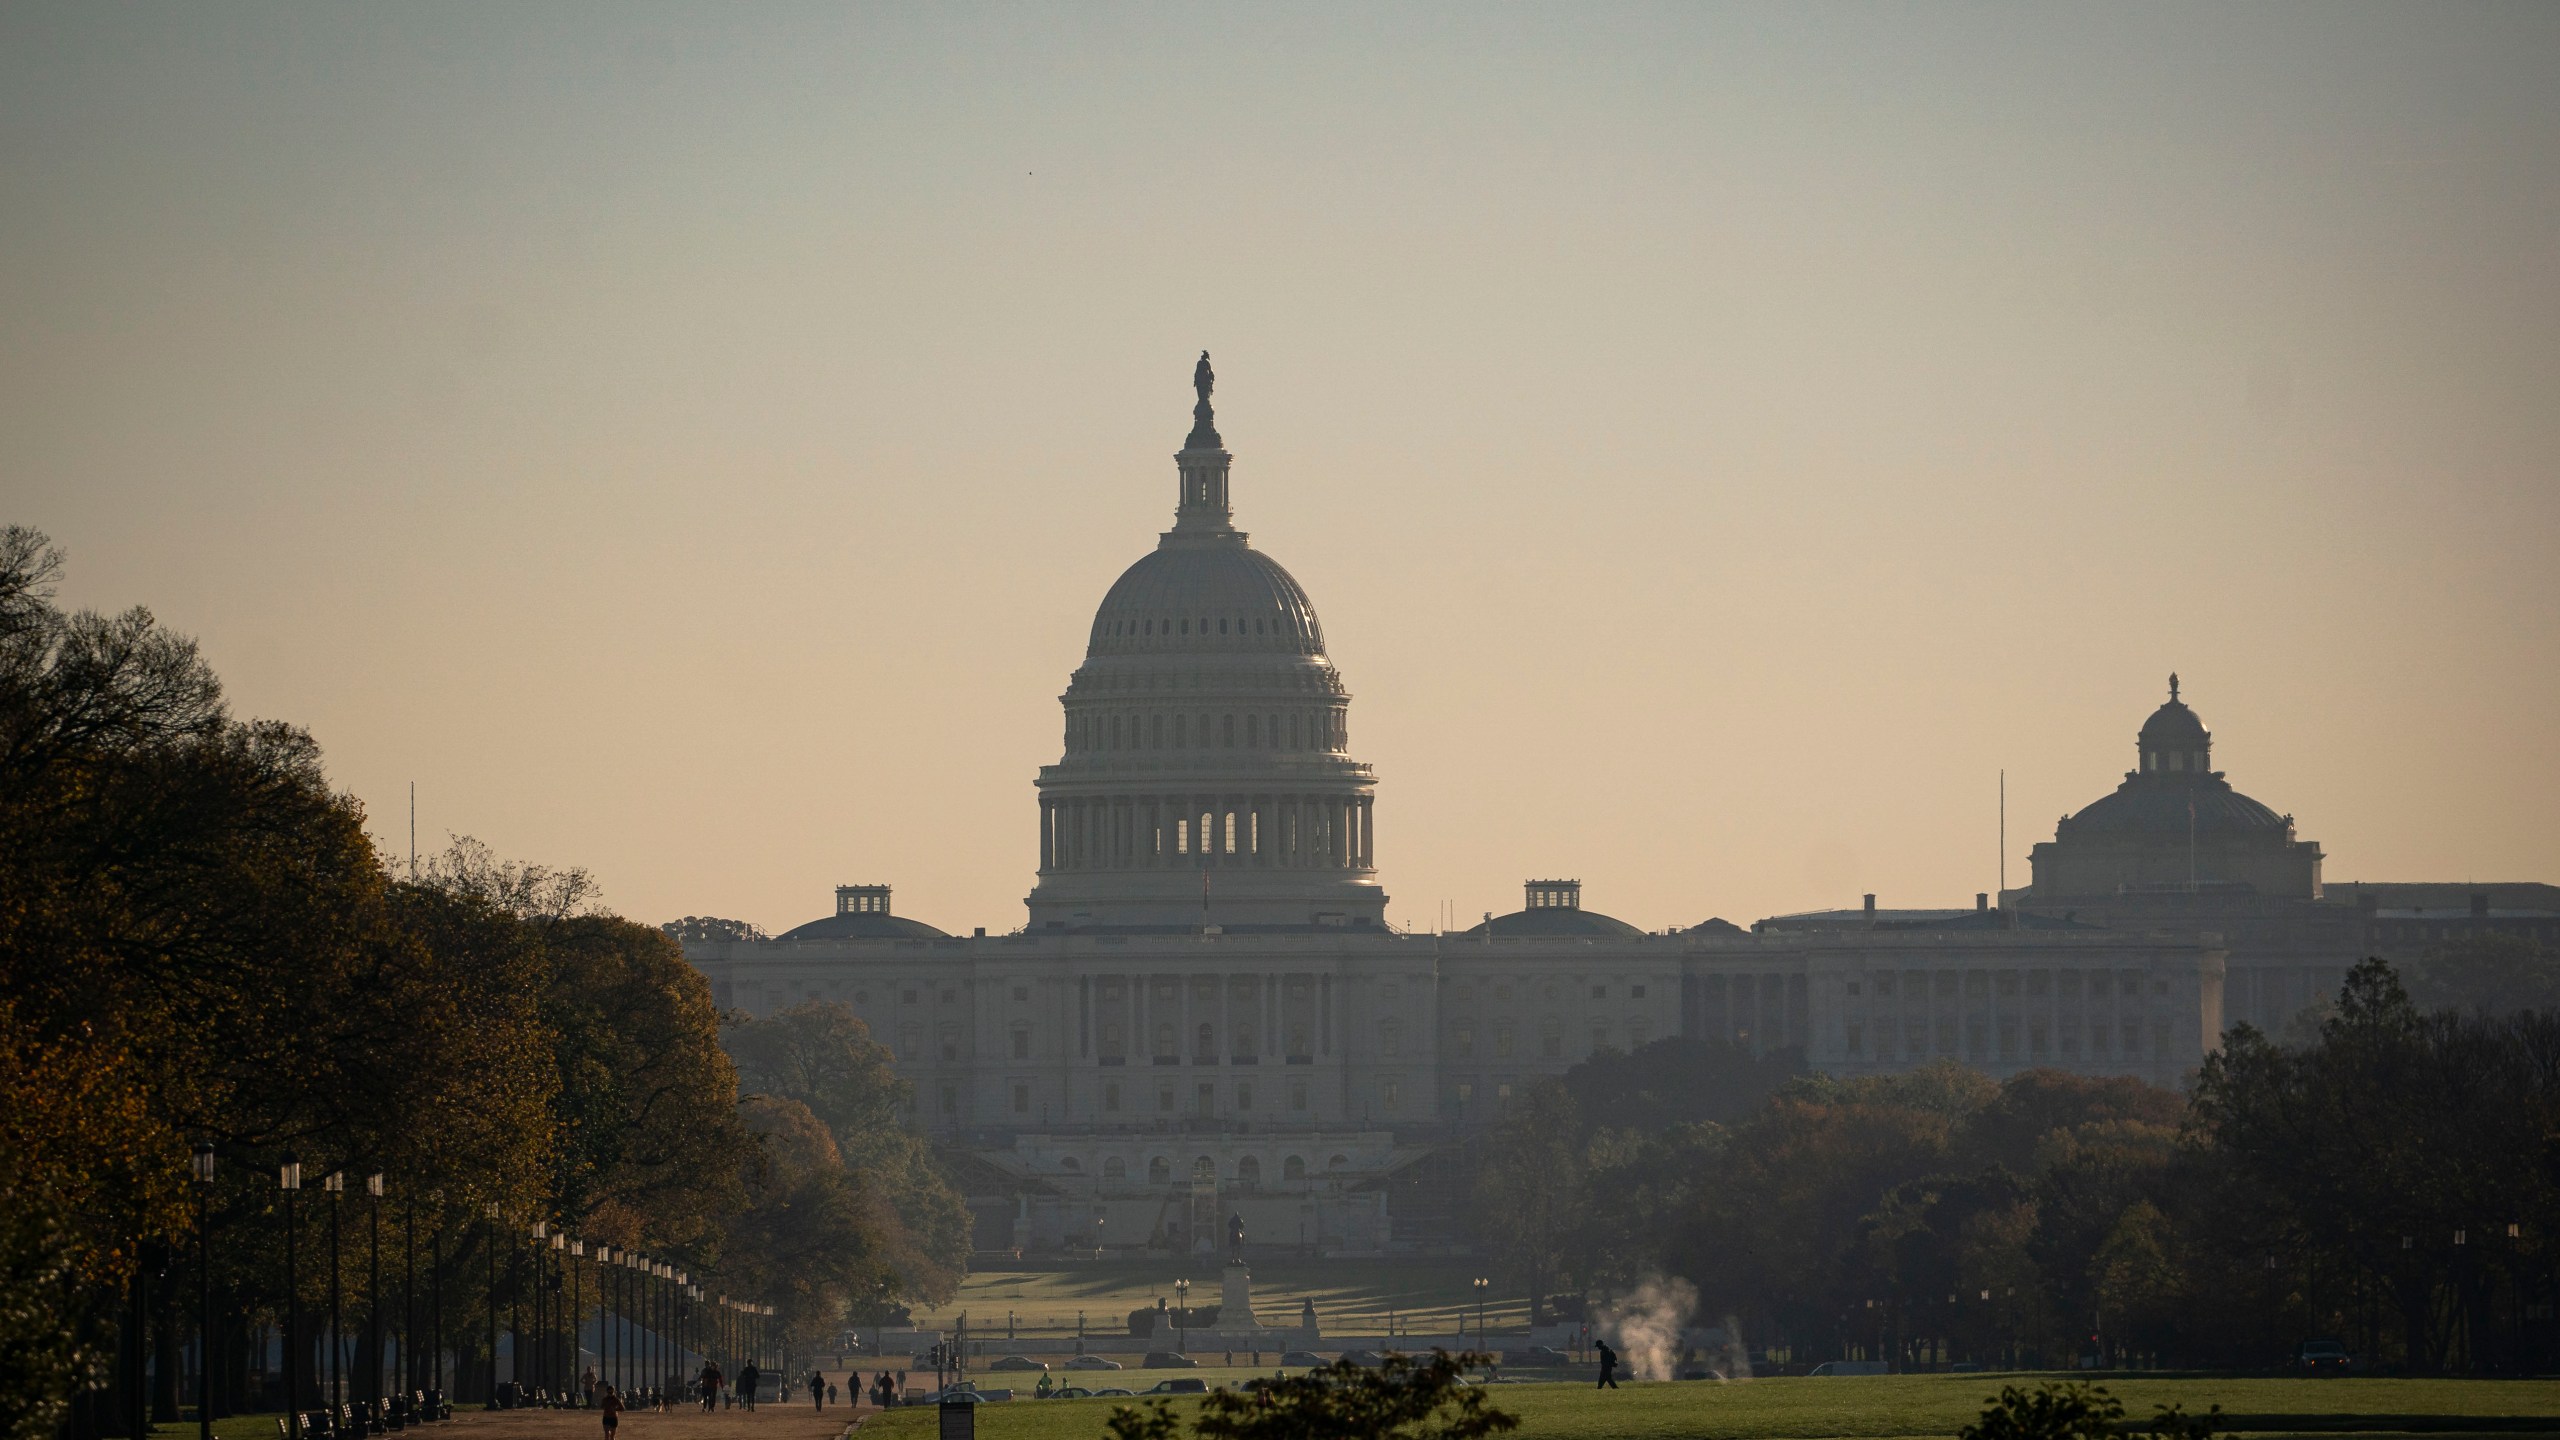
[1048, 851]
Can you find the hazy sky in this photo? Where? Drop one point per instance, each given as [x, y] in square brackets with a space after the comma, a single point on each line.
[690, 441]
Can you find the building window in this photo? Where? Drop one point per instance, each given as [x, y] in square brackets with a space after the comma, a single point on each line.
[1111, 1096]
[1636, 992]
[1466, 1094]
[1205, 1043]
[1599, 1038]
[950, 1100]
[1502, 1042]
[1857, 1039]
[1551, 1045]
[1021, 1098]
[1389, 1100]
[1390, 1037]
[1244, 1095]
[1164, 1099]
[1502, 1093]
[1249, 1172]
[1297, 1094]
[1115, 1168]
[1464, 1042]
[1207, 1099]
[1021, 1042]
[908, 998]
[1599, 992]
[1160, 1171]
[1164, 1042]
[1294, 1168]
[1021, 992]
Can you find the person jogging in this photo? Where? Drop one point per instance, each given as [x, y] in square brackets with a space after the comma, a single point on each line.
[612, 1409]
[1608, 1368]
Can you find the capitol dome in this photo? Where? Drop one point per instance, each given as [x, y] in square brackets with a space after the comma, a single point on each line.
[1206, 781]
[1204, 598]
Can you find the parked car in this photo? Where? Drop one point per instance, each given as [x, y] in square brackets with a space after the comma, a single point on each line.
[1112, 1390]
[1167, 1360]
[1851, 1367]
[1071, 1392]
[1308, 1358]
[1179, 1387]
[1018, 1362]
[956, 1395]
[2323, 1357]
[1364, 1357]
[1092, 1362]
[1535, 1355]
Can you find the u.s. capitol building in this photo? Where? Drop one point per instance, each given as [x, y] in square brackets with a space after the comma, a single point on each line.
[1207, 1013]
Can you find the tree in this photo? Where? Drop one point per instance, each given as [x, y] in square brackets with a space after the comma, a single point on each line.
[821, 1054]
[1530, 1190]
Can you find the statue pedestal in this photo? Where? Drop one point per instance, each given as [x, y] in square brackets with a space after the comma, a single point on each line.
[1235, 1298]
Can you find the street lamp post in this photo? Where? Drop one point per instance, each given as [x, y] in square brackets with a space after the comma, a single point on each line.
[541, 1337]
[435, 1335]
[561, 1361]
[373, 1306]
[289, 1180]
[409, 1294]
[204, 1292]
[334, 1186]
[577, 1317]
[1482, 1285]
[1182, 1317]
[489, 1228]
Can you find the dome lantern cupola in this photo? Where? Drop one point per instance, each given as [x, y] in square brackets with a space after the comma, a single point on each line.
[2173, 740]
[1203, 460]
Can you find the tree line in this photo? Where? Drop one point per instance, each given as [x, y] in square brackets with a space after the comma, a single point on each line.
[2388, 1173]
[200, 945]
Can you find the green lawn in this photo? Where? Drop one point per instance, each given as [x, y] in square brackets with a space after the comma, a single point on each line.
[1425, 1297]
[1876, 1406]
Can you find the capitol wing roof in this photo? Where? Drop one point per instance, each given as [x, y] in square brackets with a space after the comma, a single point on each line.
[1557, 921]
[856, 926]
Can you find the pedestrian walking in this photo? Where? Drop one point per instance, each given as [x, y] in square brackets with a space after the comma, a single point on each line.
[1608, 1368]
[818, 1392]
[748, 1379]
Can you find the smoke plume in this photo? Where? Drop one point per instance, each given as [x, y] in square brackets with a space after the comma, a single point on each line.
[1645, 1324]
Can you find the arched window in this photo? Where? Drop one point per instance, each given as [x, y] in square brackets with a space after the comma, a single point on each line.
[1160, 1171]
[1204, 1170]
[1294, 1168]
[1249, 1171]
[1253, 732]
[1293, 732]
[1227, 732]
[1115, 1168]
[1181, 732]
[1338, 1163]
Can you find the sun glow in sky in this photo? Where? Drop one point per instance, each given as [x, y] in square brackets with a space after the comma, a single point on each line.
[690, 442]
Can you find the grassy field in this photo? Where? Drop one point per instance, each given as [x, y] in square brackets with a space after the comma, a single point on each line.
[1876, 1406]
[1423, 1296]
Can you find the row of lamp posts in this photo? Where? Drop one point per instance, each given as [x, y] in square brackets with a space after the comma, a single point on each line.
[634, 1289]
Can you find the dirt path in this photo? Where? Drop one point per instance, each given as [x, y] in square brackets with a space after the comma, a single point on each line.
[769, 1422]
